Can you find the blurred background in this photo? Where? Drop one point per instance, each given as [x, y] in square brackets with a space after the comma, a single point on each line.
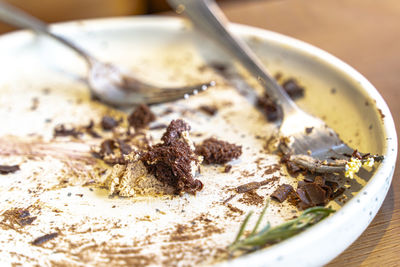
[63, 10]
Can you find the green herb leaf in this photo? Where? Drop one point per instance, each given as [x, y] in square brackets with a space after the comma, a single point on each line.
[270, 235]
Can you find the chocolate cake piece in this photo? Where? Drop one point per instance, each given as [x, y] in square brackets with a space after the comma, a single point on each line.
[217, 151]
[173, 161]
[141, 117]
[174, 131]
[293, 89]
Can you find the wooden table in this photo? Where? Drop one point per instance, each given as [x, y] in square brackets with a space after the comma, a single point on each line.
[365, 34]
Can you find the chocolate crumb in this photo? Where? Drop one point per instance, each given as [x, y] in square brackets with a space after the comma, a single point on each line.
[333, 91]
[43, 239]
[217, 151]
[309, 130]
[269, 108]
[210, 110]
[107, 147]
[89, 129]
[293, 89]
[6, 169]
[141, 117]
[112, 151]
[282, 192]
[60, 130]
[381, 113]
[108, 123]
[227, 168]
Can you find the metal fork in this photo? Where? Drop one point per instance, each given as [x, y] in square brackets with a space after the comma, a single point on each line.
[309, 141]
[107, 82]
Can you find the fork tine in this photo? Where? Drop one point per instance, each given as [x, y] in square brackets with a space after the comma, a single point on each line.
[158, 95]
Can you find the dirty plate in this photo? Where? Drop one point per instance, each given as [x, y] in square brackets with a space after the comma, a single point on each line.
[54, 209]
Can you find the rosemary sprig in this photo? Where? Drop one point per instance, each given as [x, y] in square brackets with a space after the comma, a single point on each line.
[270, 235]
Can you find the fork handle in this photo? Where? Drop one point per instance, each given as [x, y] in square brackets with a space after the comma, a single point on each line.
[207, 17]
[19, 18]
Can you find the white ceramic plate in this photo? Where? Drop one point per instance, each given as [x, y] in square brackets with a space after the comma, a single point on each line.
[166, 50]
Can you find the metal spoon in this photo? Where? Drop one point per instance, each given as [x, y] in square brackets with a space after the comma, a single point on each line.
[106, 81]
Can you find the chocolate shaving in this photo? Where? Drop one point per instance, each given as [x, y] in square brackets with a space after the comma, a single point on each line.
[248, 187]
[292, 168]
[108, 123]
[217, 151]
[43, 239]
[6, 169]
[282, 192]
[338, 192]
[141, 117]
[316, 192]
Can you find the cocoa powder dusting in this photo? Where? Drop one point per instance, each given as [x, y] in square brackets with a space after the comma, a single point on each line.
[252, 198]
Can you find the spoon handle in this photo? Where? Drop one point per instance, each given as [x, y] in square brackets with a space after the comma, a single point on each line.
[207, 17]
[18, 18]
